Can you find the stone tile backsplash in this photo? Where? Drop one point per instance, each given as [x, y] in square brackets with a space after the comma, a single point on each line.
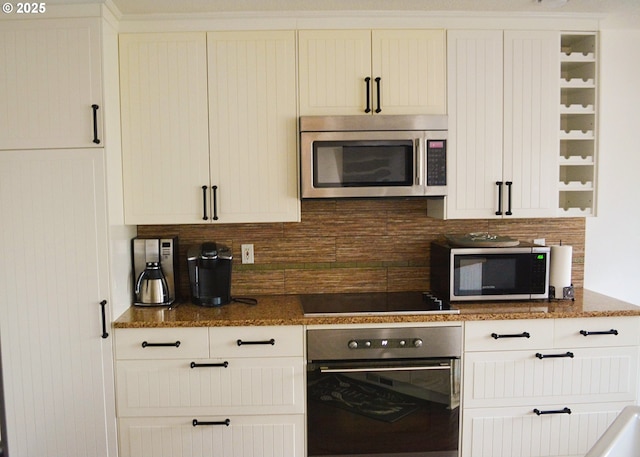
[353, 245]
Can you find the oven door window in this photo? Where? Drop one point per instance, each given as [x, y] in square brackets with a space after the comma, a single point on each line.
[363, 163]
[392, 409]
[493, 274]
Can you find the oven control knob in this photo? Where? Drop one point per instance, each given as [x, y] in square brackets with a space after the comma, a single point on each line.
[353, 344]
[417, 343]
[367, 344]
[402, 343]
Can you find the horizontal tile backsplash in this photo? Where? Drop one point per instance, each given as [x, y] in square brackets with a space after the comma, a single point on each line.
[353, 245]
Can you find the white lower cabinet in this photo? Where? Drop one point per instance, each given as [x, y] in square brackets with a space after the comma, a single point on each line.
[534, 388]
[233, 391]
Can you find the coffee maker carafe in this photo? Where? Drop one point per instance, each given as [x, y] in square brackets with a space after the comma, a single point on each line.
[210, 274]
[154, 271]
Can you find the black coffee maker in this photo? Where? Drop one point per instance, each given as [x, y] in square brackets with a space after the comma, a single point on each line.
[210, 274]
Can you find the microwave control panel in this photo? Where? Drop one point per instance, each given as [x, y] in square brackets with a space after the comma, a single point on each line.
[436, 162]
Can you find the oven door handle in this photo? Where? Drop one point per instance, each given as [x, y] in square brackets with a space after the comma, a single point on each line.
[369, 369]
[420, 161]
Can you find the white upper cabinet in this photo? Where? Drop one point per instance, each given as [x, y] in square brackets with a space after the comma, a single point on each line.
[252, 126]
[51, 84]
[503, 124]
[209, 127]
[165, 131]
[343, 72]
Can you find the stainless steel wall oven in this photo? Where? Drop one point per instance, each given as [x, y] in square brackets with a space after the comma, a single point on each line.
[383, 391]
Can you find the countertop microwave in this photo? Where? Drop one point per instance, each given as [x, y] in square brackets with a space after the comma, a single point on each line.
[373, 156]
[489, 273]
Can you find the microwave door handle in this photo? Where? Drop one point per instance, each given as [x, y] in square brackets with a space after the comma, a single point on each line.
[420, 155]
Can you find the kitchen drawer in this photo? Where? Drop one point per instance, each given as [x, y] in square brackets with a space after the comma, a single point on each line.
[259, 341]
[568, 332]
[519, 432]
[186, 387]
[591, 375]
[508, 335]
[278, 435]
[162, 343]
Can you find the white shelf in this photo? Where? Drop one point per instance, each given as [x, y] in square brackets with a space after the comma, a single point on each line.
[577, 57]
[576, 135]
[588, 83]
[576, 186]
[576, 160]
[577, 109]
[576, 212]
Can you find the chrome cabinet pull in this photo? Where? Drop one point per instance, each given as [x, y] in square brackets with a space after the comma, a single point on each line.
[606, 332]
[95, 108]
[367, 81]
[496, 336]
[272, 342]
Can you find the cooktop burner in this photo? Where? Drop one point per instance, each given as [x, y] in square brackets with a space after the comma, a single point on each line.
[373, 304]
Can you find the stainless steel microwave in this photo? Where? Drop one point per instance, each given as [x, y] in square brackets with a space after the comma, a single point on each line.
[373, 156]
[489, 273]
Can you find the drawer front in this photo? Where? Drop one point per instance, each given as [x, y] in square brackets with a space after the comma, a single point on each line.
[162, 343]
[519, 432]
[259, 341]
[280, 435]
[208, 386]
[508, 378]
[510, 335]
[597, 332]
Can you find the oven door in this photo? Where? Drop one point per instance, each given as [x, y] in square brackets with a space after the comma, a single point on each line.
[362, 164]
[383, 408]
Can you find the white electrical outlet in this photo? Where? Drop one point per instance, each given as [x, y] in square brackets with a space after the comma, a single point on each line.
[539, 241]
[247, 253]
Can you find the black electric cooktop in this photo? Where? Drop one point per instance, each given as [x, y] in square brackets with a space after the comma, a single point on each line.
[373, 304]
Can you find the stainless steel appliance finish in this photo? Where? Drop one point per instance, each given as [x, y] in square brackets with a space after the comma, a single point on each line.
[383, 391]
[489, 273]
[210, 274]
[154, 270]
[373, 156]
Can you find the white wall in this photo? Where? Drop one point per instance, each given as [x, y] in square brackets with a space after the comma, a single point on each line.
[612, 259]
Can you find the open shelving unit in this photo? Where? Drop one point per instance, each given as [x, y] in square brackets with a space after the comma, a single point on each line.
[578, 124]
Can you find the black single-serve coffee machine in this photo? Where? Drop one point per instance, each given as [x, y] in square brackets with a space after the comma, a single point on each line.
[210, 274]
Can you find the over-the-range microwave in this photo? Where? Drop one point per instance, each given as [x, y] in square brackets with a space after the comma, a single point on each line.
[373, 156]
[489, 273]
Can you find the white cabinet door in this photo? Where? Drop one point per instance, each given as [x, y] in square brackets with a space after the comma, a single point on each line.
[412, 71]
[333, 65]
[210, 386]
[58, 370]
[51, 76]
[519, 432]
[475, 82]
[531, 123]
[252, 125]
[350, 72]
[165, 131]
[503, 123]
[244, 436]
